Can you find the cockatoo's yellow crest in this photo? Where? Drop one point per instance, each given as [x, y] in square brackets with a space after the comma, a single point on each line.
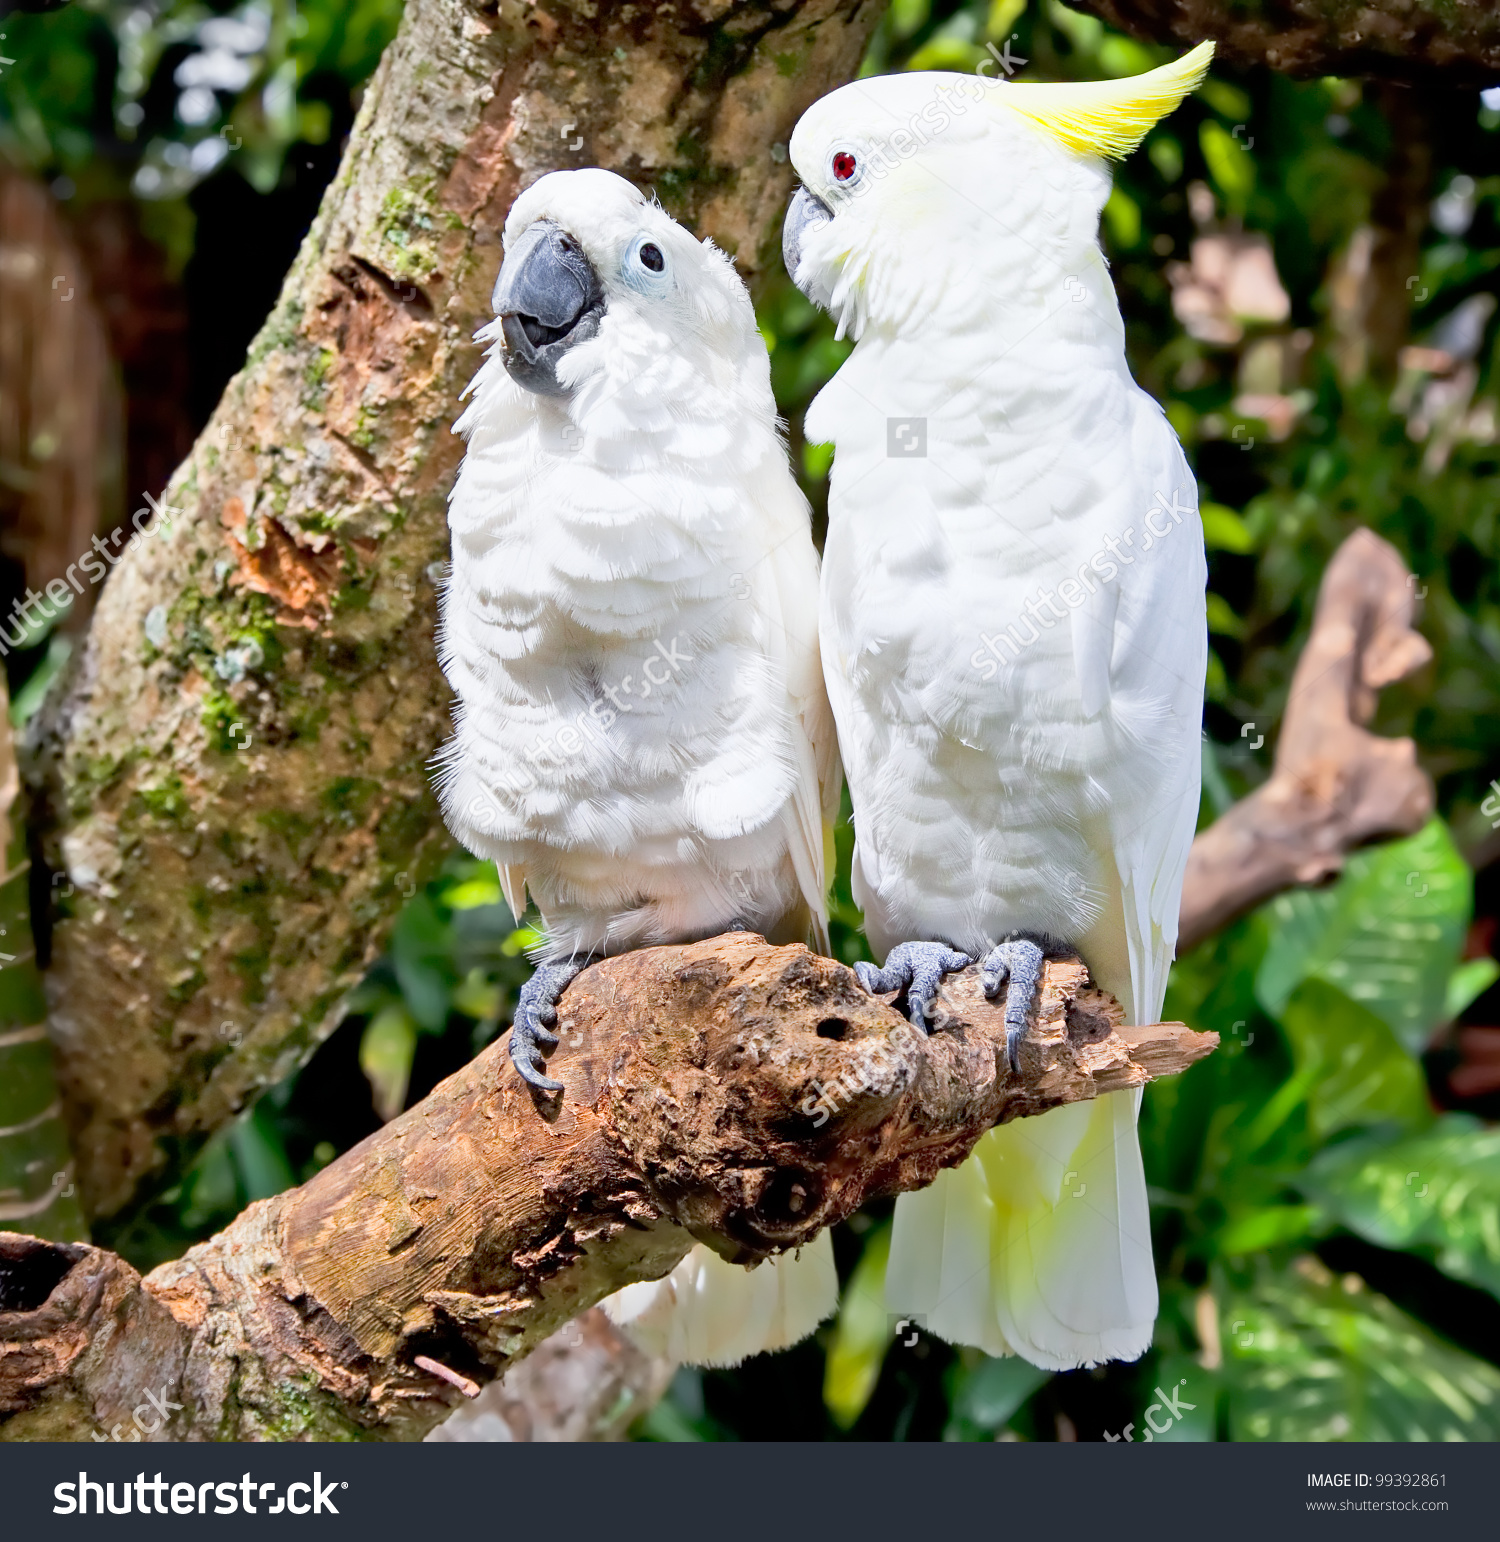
[1108, 117]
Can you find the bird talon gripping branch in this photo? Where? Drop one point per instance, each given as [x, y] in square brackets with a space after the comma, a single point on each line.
[918, 969]
[536, 1014]
[1016, 964]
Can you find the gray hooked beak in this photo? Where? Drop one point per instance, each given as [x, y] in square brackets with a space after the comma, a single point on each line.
[548, 298]
[806, 213]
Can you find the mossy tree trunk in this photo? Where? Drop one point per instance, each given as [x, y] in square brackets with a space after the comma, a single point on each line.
[238, 773]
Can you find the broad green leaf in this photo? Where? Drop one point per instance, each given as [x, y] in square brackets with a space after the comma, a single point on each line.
[1436, 1194]
[861, 1335]
[1308, 1357]
[1357, 1071]
[1388, 933]
[987, 1396]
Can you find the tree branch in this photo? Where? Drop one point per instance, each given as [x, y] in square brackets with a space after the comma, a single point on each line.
[1335, 785]
[1399, 39]
[727, 1091]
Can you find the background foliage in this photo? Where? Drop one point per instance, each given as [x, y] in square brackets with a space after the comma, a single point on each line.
[1326, 1206]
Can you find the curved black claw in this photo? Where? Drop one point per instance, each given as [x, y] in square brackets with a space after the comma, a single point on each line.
[918, 969]
[536, 1015]
[1019, 960]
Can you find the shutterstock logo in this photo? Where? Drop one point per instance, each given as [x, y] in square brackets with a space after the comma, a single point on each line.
[157, 1496]
[906, 438]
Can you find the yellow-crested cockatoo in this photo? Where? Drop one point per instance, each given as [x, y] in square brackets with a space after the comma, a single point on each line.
[1014, 640]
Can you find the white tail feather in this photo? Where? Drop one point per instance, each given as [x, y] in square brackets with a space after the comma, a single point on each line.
[1039, 1245]
[708, 1312]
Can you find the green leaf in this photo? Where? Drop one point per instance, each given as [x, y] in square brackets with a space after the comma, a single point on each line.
[259, 1156]
[1358, 1072]
[473, 892]
[861, 1335]
[1221, 618]
[1224, 530]
[1308, 1357]
[422, 956]
[1388, 933]
[1271, 1226]
[1122, 216]
[1229, 165]
[386, 1049]
[1436, 1194]
[1468, 983]
[990, 1394]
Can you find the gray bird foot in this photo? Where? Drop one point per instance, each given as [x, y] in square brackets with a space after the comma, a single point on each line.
[1019, 960]
[536, 1015]
[918, 969]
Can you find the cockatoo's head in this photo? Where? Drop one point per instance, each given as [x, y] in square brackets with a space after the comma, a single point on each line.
[597, 276]
[903, 174]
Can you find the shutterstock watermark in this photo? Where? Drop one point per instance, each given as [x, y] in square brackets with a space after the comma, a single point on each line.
[160, 1496]
[59, 595]
[660, 669]
[1102, 567]
[952, 99]
[156, 1410]
[1171, 1404]
[886, 1063]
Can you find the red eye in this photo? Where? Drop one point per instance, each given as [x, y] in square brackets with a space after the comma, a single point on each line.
[844, 166]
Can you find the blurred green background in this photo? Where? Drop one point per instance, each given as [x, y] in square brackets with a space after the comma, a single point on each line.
[1326, 1187]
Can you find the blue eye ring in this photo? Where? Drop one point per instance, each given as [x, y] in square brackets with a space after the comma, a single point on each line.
[647, 267]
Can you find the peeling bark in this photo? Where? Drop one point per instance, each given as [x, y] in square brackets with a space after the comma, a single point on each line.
[727, 1092]
[238, 771]
[1398, 39]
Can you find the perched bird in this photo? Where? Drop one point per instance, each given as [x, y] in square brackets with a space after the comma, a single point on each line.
[1014, 640]
[643, 741]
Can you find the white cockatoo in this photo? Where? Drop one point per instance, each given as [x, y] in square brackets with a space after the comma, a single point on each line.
[1014, 639]
[643, 739]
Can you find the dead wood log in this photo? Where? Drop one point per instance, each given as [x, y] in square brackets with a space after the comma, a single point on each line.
[1335, 785]
[727, 1092]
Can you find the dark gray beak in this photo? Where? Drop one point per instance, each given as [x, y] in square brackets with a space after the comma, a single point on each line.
[806, 213]
[548, 298]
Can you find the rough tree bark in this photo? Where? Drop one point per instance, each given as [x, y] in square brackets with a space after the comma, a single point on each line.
[238, 770]
[1335, 785]
[727, 1092]
[1400, 39]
